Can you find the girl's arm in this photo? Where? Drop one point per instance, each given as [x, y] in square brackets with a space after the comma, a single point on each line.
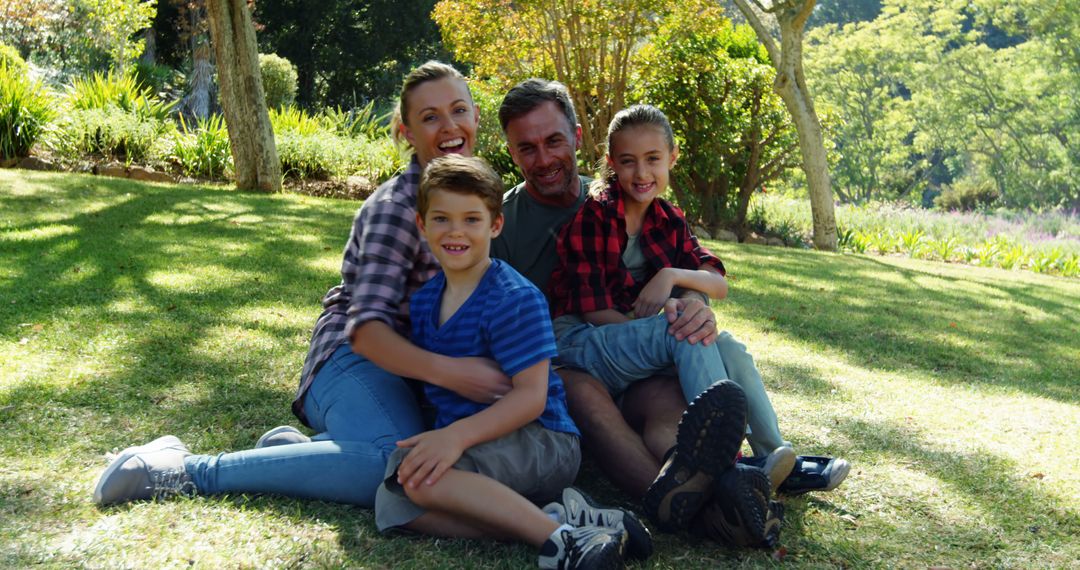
[658, 290]
[477, 379]
[605, 317]
[436, 451]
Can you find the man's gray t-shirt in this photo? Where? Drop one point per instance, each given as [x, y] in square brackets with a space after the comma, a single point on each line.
[532, 229]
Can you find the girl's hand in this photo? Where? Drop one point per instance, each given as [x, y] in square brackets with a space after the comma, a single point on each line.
[433, 452]
[655, 293]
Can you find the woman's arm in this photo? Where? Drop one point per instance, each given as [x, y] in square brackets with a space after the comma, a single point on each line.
[477, 379]
[434, 452]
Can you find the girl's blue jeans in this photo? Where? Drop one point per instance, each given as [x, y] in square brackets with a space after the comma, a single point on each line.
[360, 412]
[621, 354]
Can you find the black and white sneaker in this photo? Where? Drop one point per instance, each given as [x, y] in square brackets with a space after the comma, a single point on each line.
[710, 434]
[579, 509]
[584, 547]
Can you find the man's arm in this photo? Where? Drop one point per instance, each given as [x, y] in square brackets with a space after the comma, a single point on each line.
[436, 451]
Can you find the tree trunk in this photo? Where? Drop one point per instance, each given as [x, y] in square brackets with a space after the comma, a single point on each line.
[255, 157]
[791, 86]
[197, 101]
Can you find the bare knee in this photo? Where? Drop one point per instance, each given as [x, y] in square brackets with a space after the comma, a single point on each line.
[659, 398]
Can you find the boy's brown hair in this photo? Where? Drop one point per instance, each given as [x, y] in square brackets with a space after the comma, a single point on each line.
[461, 175]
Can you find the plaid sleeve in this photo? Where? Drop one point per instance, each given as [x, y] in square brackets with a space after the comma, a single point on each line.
[384, 242]
[584, 247]
[691, 254]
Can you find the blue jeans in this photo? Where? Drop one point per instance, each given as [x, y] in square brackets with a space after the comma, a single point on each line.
[360, 412]
[621, 354]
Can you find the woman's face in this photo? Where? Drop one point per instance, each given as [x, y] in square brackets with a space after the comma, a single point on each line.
[441, 119]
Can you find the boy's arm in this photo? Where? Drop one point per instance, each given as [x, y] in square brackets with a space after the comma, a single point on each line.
[436, 451]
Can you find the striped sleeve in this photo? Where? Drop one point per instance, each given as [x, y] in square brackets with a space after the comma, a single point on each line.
[519, 330]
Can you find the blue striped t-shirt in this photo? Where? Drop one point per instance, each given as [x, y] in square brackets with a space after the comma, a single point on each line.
[505, 319]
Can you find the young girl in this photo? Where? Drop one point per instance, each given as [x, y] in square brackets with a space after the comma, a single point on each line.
[624, 254]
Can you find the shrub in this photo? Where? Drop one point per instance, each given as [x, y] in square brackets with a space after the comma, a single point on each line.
[103, 90]
[110, 132]
[278, 79]
[25, 109]
[11, 57]
[203, 152]
[157, 78]
[359, 121]
[967, 195]
[490, 144]
[294, 121]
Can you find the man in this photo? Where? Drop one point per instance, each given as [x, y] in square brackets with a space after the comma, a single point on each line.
[698, 486]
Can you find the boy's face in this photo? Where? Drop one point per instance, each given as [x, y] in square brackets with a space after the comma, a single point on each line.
[459, 229]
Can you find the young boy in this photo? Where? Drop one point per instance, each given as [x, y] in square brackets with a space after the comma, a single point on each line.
[473, 476]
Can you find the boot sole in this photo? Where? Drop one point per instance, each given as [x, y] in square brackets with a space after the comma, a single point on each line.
[709, 436]
[741, 513]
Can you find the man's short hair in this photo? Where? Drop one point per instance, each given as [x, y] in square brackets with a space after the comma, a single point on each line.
[530, 94]
[461, 175]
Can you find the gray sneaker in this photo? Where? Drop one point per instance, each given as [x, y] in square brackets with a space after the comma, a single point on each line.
[578, 509]
[281, 435]
[151, 471]
[584, 547]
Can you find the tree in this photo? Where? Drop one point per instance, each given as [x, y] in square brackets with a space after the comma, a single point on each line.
[790, 83]
[585, 44]
[713, 81]
[250, 135]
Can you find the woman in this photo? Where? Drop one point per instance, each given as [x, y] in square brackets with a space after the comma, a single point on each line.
[351, 390]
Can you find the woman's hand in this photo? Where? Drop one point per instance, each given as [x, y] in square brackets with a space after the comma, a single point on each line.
[433, 452]
[477, 379]
[691, 319]
[655, 294]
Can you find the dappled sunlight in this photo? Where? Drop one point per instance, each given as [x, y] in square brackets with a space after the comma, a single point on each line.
[38, 233]
[200, 278]
[275, 315]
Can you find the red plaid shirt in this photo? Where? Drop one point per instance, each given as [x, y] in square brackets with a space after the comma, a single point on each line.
[591, 275]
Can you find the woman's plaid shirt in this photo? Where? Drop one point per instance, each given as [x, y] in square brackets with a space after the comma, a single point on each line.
[385, 261]
[591, 275]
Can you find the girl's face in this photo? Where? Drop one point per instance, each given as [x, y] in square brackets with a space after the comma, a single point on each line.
[441, 119]
[641, 160]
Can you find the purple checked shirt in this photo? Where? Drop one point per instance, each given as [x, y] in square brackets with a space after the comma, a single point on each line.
[386, 260]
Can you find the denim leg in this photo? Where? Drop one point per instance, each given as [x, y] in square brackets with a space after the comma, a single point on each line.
[764, 432]
[619, 355]
[361, 411]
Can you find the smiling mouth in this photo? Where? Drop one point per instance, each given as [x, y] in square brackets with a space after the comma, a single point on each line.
[549, 177]
[455, 249]
[452, 145]
[644, 188]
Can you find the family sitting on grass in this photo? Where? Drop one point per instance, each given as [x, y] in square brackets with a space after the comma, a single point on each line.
[443, 395]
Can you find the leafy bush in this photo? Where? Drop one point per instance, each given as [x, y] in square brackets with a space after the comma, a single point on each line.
[295, 121]
[967, 195]
[110, 132]
[490, 143]
[25, 109]
[278, 80]
[330, 145]
[204, 151]
[104, 90]
[359, 121]
[11, 57]
[158, 78]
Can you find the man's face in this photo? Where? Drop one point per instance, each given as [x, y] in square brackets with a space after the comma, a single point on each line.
[543, 144]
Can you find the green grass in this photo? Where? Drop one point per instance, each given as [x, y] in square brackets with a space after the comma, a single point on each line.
[129, 311]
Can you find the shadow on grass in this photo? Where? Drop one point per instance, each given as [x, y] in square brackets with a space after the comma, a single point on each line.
[1014, 330]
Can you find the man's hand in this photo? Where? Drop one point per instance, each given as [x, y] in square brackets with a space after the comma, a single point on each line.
[654, 294]
[477, 379]
[691, 319]
[433, 452]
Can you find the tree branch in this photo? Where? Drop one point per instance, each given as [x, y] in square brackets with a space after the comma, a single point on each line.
[760, 30]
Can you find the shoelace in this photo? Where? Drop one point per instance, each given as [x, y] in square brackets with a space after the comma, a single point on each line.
[171, 482]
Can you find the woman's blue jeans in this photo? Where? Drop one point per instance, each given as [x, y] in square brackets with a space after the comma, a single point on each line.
[360, 412]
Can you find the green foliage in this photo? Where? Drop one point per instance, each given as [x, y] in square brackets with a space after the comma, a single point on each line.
[714, 82]
[967, 195]
[202, 152]
[348, 53]
[25, 110]
[334, 144]
[490, 142]
[112, 89]
[26, 107]
[359, 121]
[157, 78]
[278, 80]
[109, 132]
[10, 56]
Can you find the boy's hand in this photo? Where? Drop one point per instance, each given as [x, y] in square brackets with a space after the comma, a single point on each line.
[655, 293]
[691, 319]
[433, 452]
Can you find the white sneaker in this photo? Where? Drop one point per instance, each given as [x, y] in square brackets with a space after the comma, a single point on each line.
[583, 547]
[281, 435]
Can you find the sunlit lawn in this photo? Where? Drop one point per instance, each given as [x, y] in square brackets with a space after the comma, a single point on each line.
[129, 311]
